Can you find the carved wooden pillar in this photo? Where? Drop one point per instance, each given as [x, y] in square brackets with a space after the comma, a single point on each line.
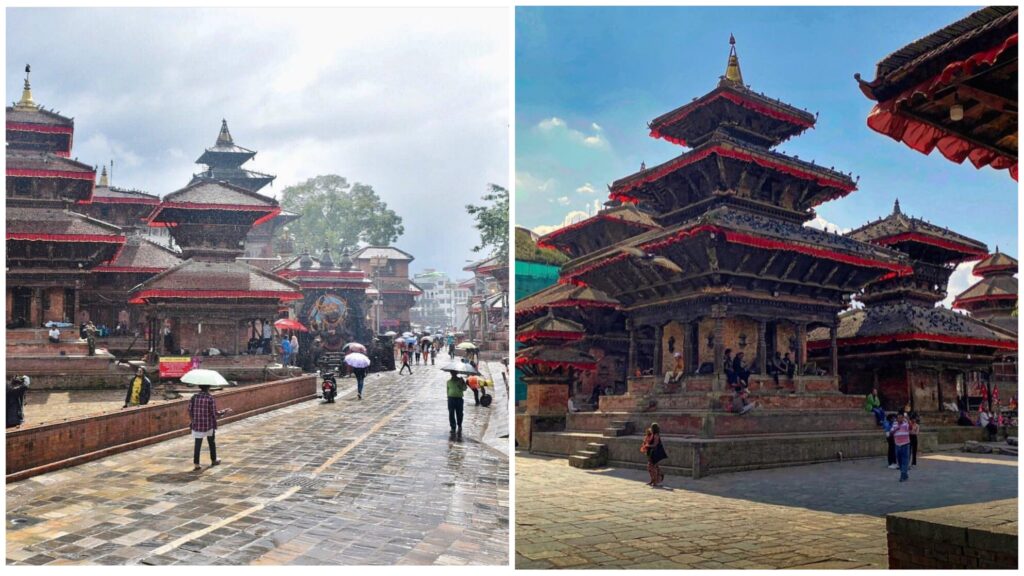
[833, 331]
[659, 333]
[718, 313]
[762, 349]
[36, 312]
[631, 364]
[801, 343]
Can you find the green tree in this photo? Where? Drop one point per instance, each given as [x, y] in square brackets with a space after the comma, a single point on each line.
[339, 213]
[492, 222]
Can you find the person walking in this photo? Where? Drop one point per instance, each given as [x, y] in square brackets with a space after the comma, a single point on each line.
[405, 361]
[360, 377]
[874, 405]
[655, 452]
[295, 348]
[456, 387]
[890, 421]
[416, 352]
[202, 409]
[16, 390]
[433, 353]
[901, 437]
[268, 337]
[286, 351]
[139, 389]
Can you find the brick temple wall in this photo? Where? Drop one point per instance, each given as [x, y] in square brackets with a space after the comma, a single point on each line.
[38, 449]
[978, 536]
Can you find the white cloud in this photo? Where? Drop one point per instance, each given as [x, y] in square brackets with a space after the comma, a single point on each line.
[571, 217]
[563, 200]
[595, 126]
[822, 224]
[960, 280]
[594, 141]
[551, 123]
[587, 188]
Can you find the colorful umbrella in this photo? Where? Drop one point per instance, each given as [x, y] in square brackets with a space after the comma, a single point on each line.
[354, 347]
[357, 360]
[289, 324]
[410, 340]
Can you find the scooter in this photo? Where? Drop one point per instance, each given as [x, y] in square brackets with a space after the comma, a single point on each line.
[329, 387]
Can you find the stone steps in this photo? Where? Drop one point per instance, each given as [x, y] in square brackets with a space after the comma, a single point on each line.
[594, 456]
[710, 423]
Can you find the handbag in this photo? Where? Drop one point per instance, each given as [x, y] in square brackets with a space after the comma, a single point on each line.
[658, 454]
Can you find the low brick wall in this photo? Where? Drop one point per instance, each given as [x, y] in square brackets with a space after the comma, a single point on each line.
[46, 447]
[976, 536]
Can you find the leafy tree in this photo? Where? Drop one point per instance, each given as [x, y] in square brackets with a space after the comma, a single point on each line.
[492, 222]
[528, 251]
[340, 214]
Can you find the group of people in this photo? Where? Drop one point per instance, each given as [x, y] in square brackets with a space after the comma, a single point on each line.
[737, 371]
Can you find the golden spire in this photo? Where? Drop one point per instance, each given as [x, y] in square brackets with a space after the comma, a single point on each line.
[26, 102]
[104, 181]
[224, 137]
[732, 69]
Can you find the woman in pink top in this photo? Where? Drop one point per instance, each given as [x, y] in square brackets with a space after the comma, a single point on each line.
[901, 437]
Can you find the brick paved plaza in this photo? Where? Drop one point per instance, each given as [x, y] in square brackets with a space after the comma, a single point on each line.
[821, 516]
[375, 481]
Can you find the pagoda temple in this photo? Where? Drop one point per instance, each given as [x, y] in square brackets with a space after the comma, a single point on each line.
[210, 300]
[334, 301]
[954, 90]
[224, 164]
[51, 246]
[395, 293]
[703, 254]
[994, 297]
[900, 342]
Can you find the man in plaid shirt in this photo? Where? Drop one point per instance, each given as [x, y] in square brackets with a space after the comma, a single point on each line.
[202, 408]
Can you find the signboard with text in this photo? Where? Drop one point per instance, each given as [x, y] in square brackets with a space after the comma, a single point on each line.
[174, 366]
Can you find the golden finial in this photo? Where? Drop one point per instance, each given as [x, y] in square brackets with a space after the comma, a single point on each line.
[224, 138]
[732, 69]
[26, 102]
[104, 181]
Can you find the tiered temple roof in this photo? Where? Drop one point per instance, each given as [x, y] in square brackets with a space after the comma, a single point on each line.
[312, 272]
[993, 298]
[600, 230]
[31, 127]
[141, 256]
[218, 280]
[224, 163]
[954, 90]
[389, 252]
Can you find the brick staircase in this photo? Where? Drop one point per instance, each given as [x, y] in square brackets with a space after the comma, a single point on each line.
[618, 428]
[594, 456]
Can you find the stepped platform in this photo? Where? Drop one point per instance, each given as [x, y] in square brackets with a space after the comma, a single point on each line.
[805, 420]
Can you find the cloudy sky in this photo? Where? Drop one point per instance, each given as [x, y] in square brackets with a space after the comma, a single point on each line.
[589, 79]
[411, 101]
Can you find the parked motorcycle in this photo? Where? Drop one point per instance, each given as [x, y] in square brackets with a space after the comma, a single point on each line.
[329, 387]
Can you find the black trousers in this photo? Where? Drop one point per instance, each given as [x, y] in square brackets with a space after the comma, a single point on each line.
[455, 412]
[404, 366]
[199, 447]
[913, 449]
[476, 395]
[892, 450]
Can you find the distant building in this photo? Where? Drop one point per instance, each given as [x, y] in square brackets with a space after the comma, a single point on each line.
[443, 303]
[388, 268]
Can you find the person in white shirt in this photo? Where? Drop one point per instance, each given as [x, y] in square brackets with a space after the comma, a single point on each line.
[572, 405]
[54, 335]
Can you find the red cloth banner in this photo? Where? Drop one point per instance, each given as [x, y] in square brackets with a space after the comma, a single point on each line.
[566, 304]
[41, 128]
[66, 174]
[85, 238]
[991, 297]
[906, 337]
[141, 297]
[981, 271]
[886, 119]
[554, 364]
[548, 335]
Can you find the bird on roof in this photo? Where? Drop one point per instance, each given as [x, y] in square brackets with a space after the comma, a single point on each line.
[651, 258]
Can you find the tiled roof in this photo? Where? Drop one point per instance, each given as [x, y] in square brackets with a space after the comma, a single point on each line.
[899, 223]
[45, 161]
[997, 261]
[550, 323]
[994, 287]
[101, 192]
[200, 276]
[55, 221]
[565, 293]
[140, 254]
[906, 318]
[389, 252]
[206, 192]
[37, 116]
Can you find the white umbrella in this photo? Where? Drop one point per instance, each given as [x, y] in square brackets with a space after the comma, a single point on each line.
[391, 333]
[357, 360]
[407, 335]
[203, 377]
[466, 346]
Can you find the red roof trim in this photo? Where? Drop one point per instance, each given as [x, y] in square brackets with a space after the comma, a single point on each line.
[329, 285]
[735, 99]
[548, 335]
[908, 337]
[129, 269]
[44, 128]
[322, 274]
[982, 270]
[958, 303]
[569, 303]
[555, 364]
[885, 117]
[141, 297]
[544, 241]
[114, 200]
[749, 240]
[621, 192]
[85, 238]
[66, 174]
[969, 252]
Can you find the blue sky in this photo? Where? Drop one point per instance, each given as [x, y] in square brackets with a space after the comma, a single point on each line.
[589, 79]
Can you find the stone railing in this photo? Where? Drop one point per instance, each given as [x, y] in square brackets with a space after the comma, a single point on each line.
[46, 447]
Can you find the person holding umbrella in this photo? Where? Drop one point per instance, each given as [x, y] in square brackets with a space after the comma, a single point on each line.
[456, 387]
[359, 363]
[202, 409]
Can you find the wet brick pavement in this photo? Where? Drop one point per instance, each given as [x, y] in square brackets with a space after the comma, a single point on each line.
[821, 516]
[376, 481]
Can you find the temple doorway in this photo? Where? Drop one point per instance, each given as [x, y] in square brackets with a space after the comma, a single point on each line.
[21, 305]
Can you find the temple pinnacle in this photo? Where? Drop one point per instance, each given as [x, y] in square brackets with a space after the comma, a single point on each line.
[26, 101]
[104, 181]
[733, 75]
[896, 207]
[224, 138]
